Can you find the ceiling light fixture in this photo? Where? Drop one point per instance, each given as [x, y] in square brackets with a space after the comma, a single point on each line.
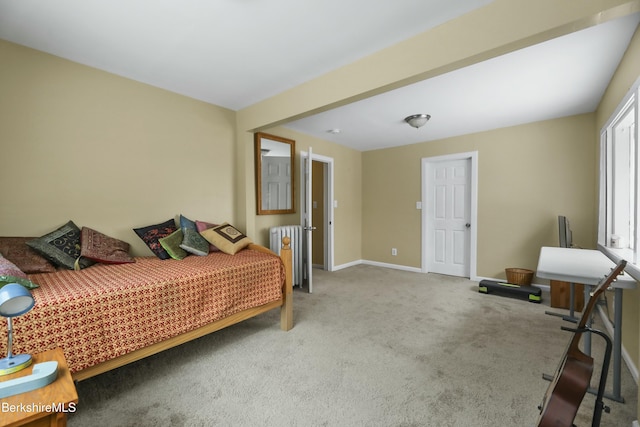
[417, 120]
[334, 131]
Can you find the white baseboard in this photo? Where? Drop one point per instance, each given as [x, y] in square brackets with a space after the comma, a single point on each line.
[394, 266]
[377, 264]
[419, 270]
[347, 265]
[625, 354]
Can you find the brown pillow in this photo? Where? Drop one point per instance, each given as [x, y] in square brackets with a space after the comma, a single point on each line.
[227, 238]
[26, 259]
[7, 268]
[9, 273]
[102, 248]
[62, 247]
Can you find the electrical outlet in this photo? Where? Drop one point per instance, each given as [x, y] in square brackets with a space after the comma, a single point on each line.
[394, 251]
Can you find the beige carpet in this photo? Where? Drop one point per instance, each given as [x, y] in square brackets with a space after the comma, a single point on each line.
[370, 347]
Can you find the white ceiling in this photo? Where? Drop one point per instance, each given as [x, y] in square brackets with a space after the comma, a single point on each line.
[561, 77]
[231, 53]
[234, 53]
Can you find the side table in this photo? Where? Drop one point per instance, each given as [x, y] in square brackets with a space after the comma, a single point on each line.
[46, 406]
[588, 266]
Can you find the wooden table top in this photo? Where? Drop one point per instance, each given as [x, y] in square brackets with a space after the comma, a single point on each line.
[24, 407]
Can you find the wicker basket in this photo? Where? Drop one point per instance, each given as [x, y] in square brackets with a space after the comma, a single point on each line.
[519, 276]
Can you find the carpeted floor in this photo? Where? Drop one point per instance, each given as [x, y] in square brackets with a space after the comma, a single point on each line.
[370, 347]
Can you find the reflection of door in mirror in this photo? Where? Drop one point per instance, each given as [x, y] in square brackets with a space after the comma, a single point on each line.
[274, 174]
[276, 182]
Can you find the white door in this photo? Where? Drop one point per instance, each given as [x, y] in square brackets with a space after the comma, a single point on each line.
[306, 205]
[276, 182]
[448, 223]
[307, 223]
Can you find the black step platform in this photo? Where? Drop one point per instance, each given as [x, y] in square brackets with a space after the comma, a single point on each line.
[530, 293]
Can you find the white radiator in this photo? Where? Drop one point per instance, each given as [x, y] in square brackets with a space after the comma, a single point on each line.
[294, 232]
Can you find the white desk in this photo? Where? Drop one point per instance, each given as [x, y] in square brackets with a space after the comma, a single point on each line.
[589, 267]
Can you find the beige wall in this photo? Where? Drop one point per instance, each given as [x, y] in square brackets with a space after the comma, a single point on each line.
[113, 154]
[106, 152]
[500, 27]
[627, 73]
[527, 176]
[347, 164]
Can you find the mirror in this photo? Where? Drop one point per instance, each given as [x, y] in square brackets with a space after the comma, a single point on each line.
[274, 174]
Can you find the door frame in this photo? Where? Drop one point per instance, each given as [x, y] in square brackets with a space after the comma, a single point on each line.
[473, 230]
[329, 203]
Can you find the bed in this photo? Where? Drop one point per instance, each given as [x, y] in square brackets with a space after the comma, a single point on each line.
[107, 316]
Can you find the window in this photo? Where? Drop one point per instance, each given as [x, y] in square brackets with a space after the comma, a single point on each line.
[619, 213]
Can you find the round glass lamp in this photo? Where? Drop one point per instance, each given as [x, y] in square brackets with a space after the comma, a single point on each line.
[15, 300]
[417, 120]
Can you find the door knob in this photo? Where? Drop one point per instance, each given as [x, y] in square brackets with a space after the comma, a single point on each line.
[467, 225]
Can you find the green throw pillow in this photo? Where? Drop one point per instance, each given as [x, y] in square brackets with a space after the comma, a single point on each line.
[192, 241]
[171, 244]
[5, 280]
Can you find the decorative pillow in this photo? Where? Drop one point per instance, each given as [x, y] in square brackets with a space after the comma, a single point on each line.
[152, 234]
[192, 241]
[102, 248]
[171, 244]
[10, 273]
[7, 268]
[227, 238]
[15, 249]
[62, 247]
[201, 226]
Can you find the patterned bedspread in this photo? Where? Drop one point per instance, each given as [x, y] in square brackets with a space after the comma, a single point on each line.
[106, 311]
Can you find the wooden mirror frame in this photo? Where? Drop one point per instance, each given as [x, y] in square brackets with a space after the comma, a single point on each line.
[258, 138]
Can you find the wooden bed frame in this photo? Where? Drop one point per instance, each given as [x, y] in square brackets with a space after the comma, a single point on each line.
[286, 322]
